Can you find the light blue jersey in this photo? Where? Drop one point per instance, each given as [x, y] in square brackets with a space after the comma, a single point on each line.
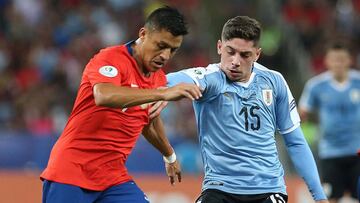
[339, 113]
[236, 124]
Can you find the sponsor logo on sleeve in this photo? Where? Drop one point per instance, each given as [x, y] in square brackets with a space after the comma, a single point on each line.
[196, 72]
[108, 71]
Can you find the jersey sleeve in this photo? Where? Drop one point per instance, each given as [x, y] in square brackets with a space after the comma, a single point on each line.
[101, 69]
[304, 162]
[308, 99]
[209, 80]
[191, 75]
[287, 116]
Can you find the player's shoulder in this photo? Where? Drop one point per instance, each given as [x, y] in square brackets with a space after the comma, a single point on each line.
[201, 72]
[267, 73]
[110, 61]
[354, 74]
[213, 68]
[112, 53]
[319, 79]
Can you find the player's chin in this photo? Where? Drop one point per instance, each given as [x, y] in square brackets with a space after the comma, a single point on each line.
[233, 77]
[152, 68]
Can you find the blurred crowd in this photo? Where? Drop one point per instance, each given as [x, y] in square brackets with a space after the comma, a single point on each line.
[45, 44]
[318, 22]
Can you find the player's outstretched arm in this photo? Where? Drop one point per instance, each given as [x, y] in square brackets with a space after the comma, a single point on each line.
[304, 163]
[179, 91]
[109, 95]
[172, 79]
[155, 135]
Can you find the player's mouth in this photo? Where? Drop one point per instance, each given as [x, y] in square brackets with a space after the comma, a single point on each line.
[158, 64]
[235, 72]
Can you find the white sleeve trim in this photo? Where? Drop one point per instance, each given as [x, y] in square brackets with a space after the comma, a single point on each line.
[290, 129]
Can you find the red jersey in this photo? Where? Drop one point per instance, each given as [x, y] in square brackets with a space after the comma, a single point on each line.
[93, 148]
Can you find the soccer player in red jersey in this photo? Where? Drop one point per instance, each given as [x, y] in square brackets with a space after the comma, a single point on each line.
[87, 163]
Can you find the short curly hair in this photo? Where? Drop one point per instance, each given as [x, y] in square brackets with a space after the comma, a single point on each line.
[167, 18]
[242, 27]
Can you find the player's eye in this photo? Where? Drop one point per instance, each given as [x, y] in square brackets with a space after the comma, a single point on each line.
[245, 55]
[173, 50]
[231, 52]
[161, 46]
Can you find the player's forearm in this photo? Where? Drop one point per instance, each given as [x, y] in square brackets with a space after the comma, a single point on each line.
[108, 95]
[155, 135]
[304, 162]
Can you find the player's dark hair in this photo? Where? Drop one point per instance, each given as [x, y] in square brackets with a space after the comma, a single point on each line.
[167, 18]
[242, 27]
[338, 45]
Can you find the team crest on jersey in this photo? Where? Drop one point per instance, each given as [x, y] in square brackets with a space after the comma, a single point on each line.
[267, 96]
[108, 71]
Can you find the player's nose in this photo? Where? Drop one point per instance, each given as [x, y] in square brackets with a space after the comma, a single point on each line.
[236, 60]
[165, 54]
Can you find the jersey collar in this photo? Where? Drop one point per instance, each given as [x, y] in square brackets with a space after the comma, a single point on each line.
[128, 46]
[340, 86]
[246, 84]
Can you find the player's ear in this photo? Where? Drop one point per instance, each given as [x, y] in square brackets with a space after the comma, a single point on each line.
[142, 33]
[257, 54]
[219, 45]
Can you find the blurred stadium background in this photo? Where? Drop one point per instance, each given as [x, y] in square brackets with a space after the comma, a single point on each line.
[44, 45]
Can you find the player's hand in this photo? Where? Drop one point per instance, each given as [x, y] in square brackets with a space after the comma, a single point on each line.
[182, 90]
[173, 171]
[156, 109]
[322, 201]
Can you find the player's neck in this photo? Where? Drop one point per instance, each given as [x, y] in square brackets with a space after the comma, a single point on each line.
[137, 57]
[245, 78]
[341, 78]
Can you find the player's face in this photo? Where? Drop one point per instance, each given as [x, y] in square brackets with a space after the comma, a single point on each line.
[338, 61]
[157, 48]
[237, 58]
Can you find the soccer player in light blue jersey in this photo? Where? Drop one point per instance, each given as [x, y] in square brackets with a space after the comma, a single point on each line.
[242, 106]
[335, 96]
